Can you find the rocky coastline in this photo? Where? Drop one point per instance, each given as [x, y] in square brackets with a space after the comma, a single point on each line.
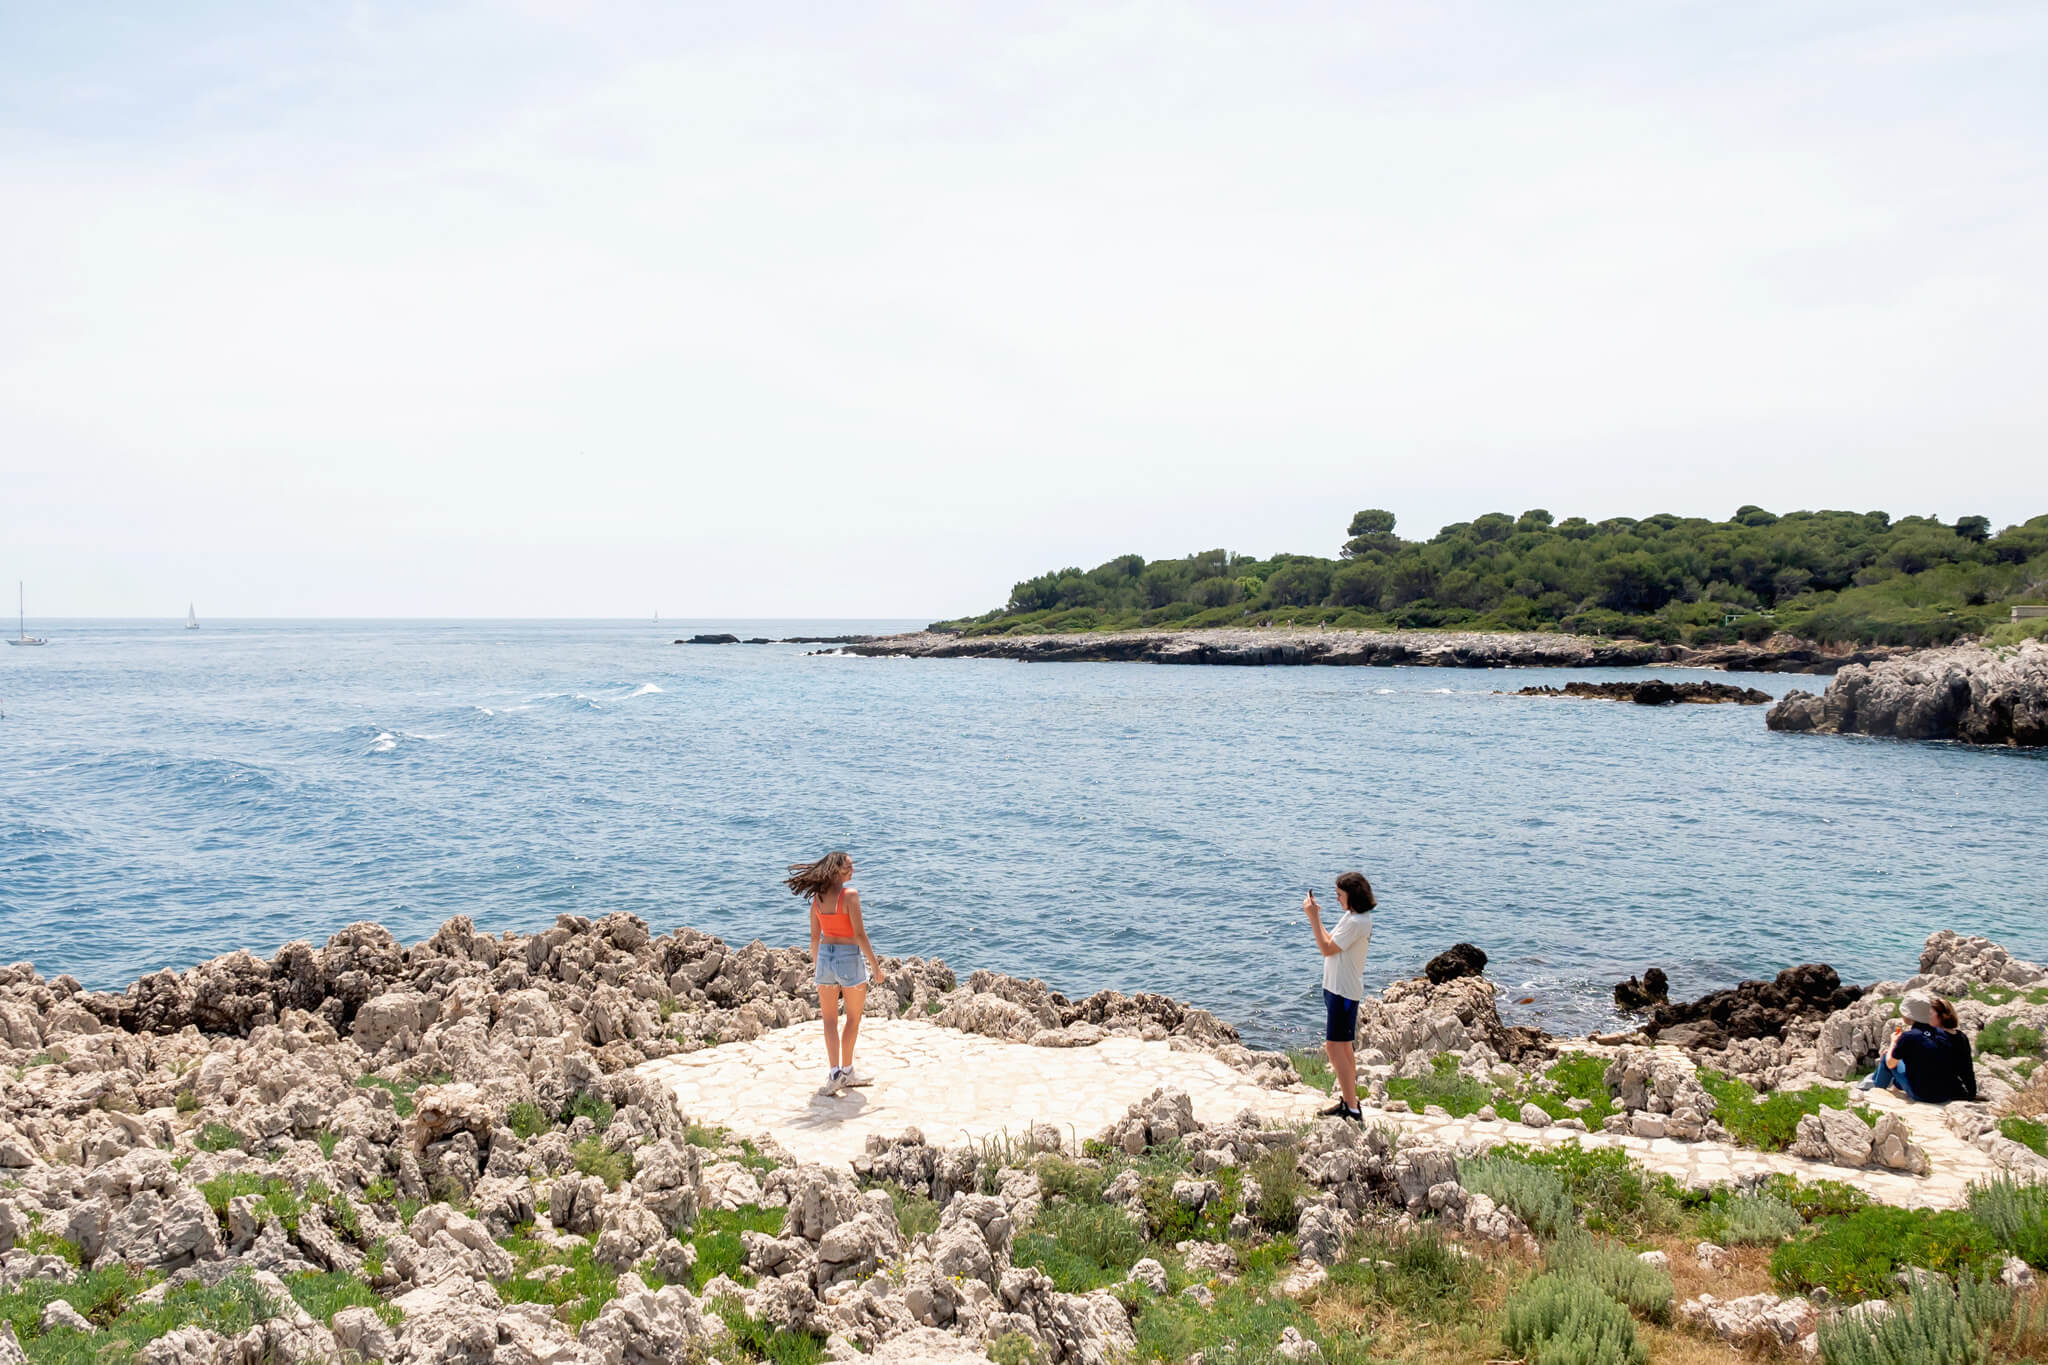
[446, 1153]
[1655, 692]
[1968, 693]
[1278, 645]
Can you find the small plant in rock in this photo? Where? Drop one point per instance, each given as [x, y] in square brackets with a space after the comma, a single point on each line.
[187, 1102]
[1563, 1320]
[1419, 1274]
[1081, 1246]
[2016, 1212]
[2006, 1037]
[327, 1142]
[576, 1295]
[1615, 1270]
[1532, 1193]
[592, 1157]
[720, 1250]
[1280, 1184]
[1014, 1348]
[777, 1346]
[216, 1137]
[323, 1294]
[1313, 1067]
[527, 1121]
[1754, 1220]
[916, 1214]
[1856, 1257]
[1458, 1094]
[589, 1106]
[1059, 1178]
[401, 1092]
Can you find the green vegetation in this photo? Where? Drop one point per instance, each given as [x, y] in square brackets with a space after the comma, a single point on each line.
[592, 1157]
[716, 1239]
[1931, 1324]
[1314, 1068]
[1832, 576]
[1755, 1220]
[1445, 1085]
[526, 1121]
[2005, 995]
[1558, 1319]
[576, 1294]
[1577, 1077]
[916, 1214]
[1059, 1178]
[1615, 1271]
[762, 1342]
[187, 1102]
[1612, 1193]
[401, 1092]
[588, 1106]
[1855, 1257]
[1080, 1246]
[1770, 1124]
[2028, 1133]
[107, 1299]
[1417, 1275]
[216, 1137]
[2005, 1038]
[1533, 1193]
[1280, 1184]
[2016, 1212]
[1243, 1325]
[325, 1293]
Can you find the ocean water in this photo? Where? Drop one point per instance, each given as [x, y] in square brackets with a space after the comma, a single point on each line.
[166, 796]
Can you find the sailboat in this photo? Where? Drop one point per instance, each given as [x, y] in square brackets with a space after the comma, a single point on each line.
[24, 638]
[191, 617]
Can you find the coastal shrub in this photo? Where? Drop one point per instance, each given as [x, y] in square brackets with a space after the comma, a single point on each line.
[1313, 1067]
[2016, 1212]
[1014, 1348]
[1754, 1220]
[1931, 1324]
[2028, 1133]
[1059, 1178]
[1242, 1325]
[107, 1298]
[1814, 1200]
[526, 1120]
[2006, 1037]
[589, 1106]
[1280, 1184]
[216, 1137]
[1535, 1194]
[325, 1293]
[1855, 1257]
[1564, 1320]
[1444, 1085]
[916, 1214]
[1615, 1270]
[758, 1341]
[1609, 1191]
[716, 1239]
[592, 1157]
[1769, 1124]
[1417, 1275]
[187, 1102]
[1081, 1246]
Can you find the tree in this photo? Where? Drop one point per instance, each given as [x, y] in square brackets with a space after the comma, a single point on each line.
[1976, 530]
[1373, 521]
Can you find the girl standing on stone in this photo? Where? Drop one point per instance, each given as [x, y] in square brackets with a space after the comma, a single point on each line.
[1343, 949]
[839, 940]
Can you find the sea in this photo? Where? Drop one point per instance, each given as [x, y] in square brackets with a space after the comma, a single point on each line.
[168, 795]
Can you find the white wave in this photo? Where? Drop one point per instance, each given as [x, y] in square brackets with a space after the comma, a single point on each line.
[1383, 691]
[384, 743]
[485, 709]
[642, 690]
[1440, 691]
[410, 735]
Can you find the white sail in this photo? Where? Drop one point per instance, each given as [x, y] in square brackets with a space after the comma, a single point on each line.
[21, 619]
[191, 617]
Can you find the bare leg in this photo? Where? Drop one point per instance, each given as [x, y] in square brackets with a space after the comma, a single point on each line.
[856, 996]
[1344, 1061]
[828, 1006]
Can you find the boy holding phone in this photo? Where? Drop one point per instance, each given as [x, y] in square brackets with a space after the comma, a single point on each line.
[1343, 948]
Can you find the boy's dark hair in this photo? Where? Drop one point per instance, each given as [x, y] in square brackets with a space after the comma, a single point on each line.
[1357, 892]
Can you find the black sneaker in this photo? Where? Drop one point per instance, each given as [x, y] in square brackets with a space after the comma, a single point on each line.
[1340, 1110]
[1355, 1115]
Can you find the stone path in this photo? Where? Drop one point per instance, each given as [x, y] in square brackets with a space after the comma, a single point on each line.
[960, 1088]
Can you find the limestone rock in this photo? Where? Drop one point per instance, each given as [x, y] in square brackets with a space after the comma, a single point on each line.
[1754, 1320]
[1966, 692]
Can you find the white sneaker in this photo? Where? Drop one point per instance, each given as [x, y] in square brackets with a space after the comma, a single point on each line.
[848, 1076]
[835, 1081]
[1864, 1084]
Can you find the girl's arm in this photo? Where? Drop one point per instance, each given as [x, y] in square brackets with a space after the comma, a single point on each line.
[860, 936]
[1314, 911]
[814, 933]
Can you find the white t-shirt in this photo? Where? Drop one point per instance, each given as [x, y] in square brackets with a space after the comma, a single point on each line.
[1344, 972]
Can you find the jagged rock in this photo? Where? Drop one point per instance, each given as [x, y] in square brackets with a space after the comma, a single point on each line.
[1460, 959]
[1296, 1347]
[1649, 990]
[1152, 1275]
[1534, 1116]
[1834, 1135]
[1754, 1009]
[59, 1313]
[1320, 1234]
[1754, 1320]
[364, 1335]
[926, 1346]
[640, 1327]
[1892, 1146]
[179, 1346]
[1966, 692]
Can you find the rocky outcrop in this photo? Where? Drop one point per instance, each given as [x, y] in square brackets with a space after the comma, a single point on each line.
[1967, 692]
[1647, 991]
[1275, 645]
[1460, 959]
[1655, 692]
[1753, 1009]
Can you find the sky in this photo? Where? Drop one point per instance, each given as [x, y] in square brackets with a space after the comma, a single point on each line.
[560, 308]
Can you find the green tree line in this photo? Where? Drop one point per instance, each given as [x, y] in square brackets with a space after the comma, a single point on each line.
[1836, 577]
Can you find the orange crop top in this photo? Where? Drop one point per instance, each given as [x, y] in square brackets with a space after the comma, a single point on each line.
[835, 923]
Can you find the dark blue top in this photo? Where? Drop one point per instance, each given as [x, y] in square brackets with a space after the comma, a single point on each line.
[1937, 1064]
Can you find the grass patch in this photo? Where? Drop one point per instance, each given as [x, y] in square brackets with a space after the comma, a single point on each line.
[916, 1214]
[1081, 1246]
[1060, 1178]
[327, 1142]
[1242, 1325]
[589, 1106]
[2008, 1038]
[526, 1121]
[187, 1102]
[216, 1137]
[1313, 1066]
[1280, 1184]
[717, 1241]
[275, 1198]
[1612, 1193]
[592, 1157]
[772, 1344]
[1459, 1095]
[1855, 1257]
[106, 1298]
[2026, 1132]
[2005, 995]
[1770, 1124]
[1535, 1194]
[1615, 1271]
[1417, 1275]
[576, 1295]
[401, 1092]
[323, 1294]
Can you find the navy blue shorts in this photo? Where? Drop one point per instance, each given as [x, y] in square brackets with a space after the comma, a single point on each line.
[1340, 1024]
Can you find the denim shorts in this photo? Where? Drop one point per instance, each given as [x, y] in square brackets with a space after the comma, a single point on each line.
[840, 964]
[1340, 1018]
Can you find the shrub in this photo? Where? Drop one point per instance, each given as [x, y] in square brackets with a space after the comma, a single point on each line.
[1615, 1271]
[2026, 1132]
[1933, 1325]
[1855, 1257]
[1059, 1178]
[2004, 1037]
[187, 1102]
[916, 1214]
[592, 1157]
[2016, 1213]
[1419, 1275]
[1014, 1348]
[216, 1137]
[1611, 1192]
[1817, 1199]
[1280, 1184]
[1081, 1246]
[526, 1121]
[1532, 1193]
[589, 1106]
[1771, 1123]
[1757, 1220]
[1563, 1320]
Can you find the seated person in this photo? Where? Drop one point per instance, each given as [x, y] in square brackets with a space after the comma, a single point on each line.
[1925, 1061]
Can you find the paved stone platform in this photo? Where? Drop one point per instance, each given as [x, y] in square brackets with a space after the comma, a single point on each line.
[960, 1088]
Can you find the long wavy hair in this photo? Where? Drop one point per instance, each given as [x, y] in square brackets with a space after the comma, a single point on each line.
[818, 880]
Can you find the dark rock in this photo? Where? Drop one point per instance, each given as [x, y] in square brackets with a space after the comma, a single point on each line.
[1640, 993]
[760, 640]
[710, 640]
[1521, 1043]
[1754, 1009]
[1460, 959]
[1655, 692]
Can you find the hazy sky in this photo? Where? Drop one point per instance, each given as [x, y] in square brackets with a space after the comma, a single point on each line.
[566, 308]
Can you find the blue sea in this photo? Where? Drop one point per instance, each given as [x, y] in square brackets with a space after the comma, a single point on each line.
[169, 795]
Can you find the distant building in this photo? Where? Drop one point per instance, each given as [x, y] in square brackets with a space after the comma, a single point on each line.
[2030, 613]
